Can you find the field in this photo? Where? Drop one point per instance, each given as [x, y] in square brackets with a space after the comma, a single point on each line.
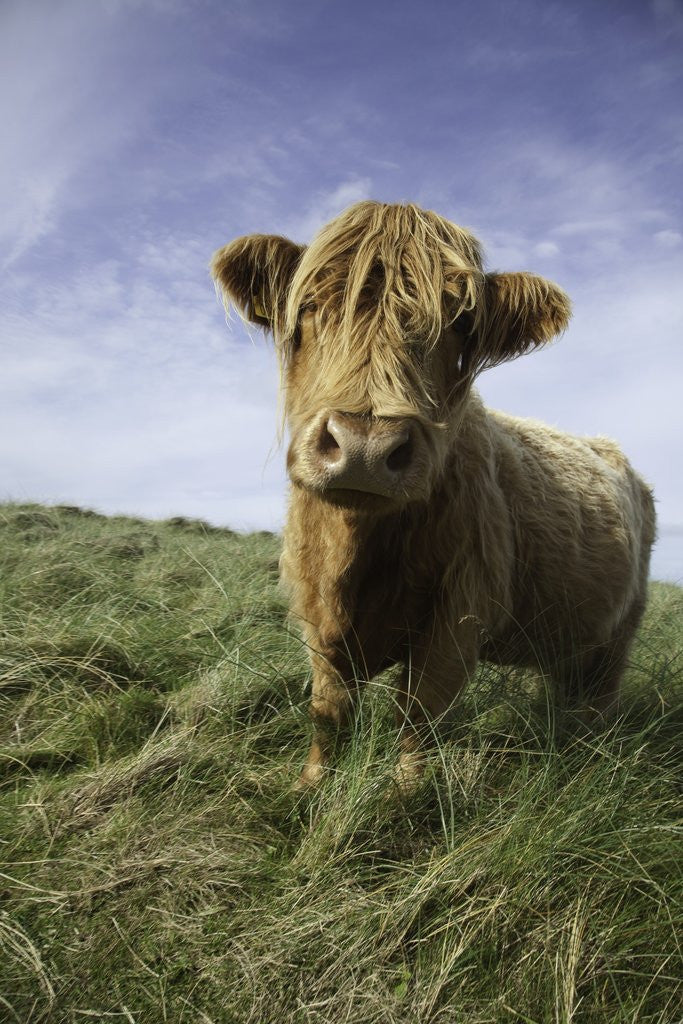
[156, 865]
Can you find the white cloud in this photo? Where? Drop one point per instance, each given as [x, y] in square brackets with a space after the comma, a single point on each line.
[549, 249]
[326, 205]
[580, 196]
[668, 239]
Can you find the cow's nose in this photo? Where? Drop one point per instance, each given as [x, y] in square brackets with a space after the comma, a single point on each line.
[363, 454]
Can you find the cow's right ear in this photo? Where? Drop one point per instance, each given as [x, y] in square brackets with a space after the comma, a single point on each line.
[254, 274]
[521, 312]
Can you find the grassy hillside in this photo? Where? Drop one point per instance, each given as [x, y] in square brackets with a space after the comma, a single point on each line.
[155, 864]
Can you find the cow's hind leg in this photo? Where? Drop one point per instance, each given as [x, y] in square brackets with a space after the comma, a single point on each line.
[592, 682]
[594, 687]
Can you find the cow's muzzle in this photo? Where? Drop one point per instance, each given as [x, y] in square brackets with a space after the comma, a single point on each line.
[362, 454]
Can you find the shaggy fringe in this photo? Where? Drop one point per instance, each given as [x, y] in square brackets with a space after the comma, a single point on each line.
[404, 271]
[384, 281]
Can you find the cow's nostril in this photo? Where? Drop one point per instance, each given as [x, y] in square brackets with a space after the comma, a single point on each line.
[327, 441]
[328, 444]
[400, 458]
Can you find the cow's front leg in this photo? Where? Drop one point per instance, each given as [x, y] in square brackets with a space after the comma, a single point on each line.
[334, 693]
[438, 664]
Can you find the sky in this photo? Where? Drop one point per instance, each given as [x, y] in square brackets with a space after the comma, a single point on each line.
[141, 135]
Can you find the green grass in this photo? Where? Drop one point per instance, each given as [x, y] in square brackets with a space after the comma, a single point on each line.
[155, 864]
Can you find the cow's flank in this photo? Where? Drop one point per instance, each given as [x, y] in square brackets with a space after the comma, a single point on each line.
[425, 530]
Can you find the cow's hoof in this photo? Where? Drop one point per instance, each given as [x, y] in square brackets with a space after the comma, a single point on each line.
[310, 778]
[409, 772]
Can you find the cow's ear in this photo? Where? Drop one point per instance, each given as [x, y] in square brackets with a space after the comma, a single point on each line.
[254, 274]
[520, 312]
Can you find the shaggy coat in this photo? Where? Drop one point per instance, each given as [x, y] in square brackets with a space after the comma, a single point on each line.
[425, 530]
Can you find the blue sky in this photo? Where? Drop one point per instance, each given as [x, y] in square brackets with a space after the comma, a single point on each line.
[140, 136]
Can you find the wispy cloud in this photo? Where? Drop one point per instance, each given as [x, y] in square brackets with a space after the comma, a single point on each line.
[55, 128]
[326, 205]
[668, 239]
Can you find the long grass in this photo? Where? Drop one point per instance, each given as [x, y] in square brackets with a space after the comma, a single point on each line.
[156, 864]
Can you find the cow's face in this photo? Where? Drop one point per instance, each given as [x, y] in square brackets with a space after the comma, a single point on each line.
[369, 421]
[381, 325]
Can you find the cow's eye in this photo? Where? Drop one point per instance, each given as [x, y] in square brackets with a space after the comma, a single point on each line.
[464, 323]
[295, 341]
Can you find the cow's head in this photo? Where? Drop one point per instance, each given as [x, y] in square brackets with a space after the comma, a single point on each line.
[381, 324]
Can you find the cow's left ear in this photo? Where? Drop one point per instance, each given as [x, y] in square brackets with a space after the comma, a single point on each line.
[254, 274]
[520, 312]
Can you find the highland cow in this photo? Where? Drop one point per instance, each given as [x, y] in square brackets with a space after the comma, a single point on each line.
[425, 530]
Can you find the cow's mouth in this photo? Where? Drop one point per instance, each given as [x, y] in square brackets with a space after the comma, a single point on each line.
[356, 500]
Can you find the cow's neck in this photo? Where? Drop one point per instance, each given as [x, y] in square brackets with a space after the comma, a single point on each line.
[342, 566]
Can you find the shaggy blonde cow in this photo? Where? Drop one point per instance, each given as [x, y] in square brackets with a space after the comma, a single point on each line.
[425, 530]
